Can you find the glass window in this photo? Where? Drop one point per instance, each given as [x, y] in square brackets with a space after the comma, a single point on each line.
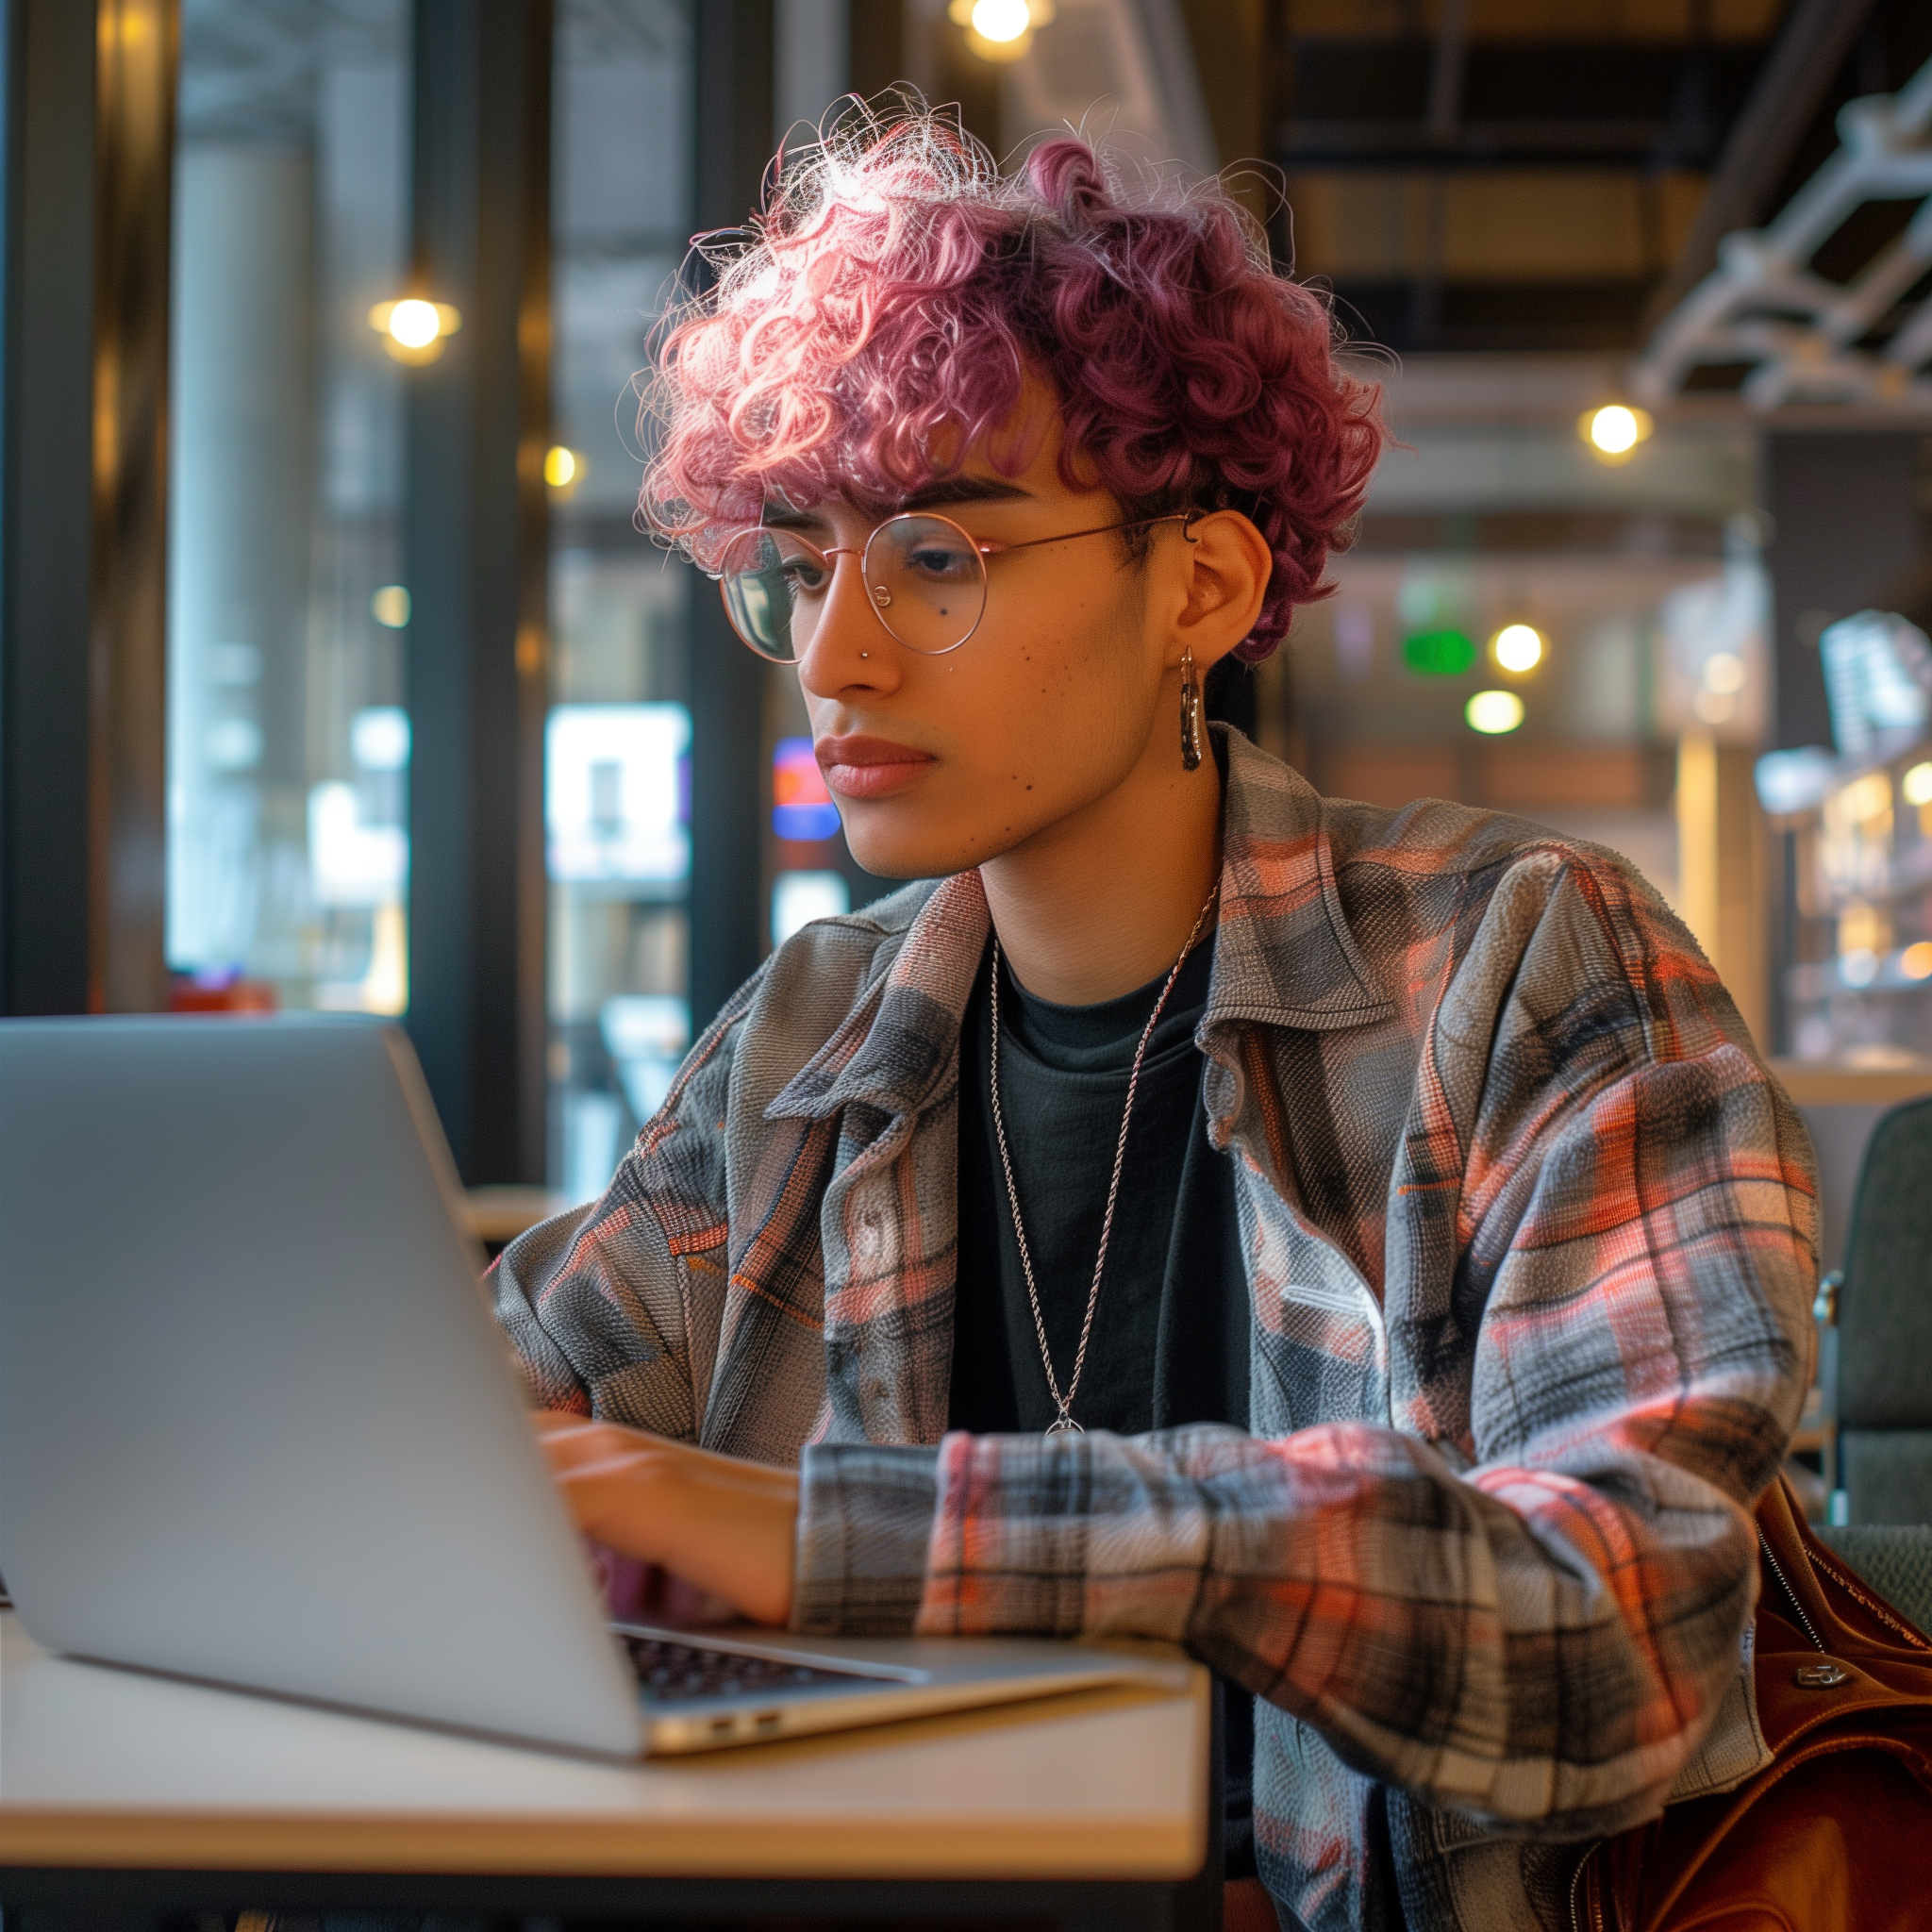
[616, 782]
[288, 747]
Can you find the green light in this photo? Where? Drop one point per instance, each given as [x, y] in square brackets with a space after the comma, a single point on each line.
[1438, 653]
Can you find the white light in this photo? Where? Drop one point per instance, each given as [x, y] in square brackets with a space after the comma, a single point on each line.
[799, 897]
[1001, 20]
[351, 863]
[1714, 706]
[380, 738]
[1859, 967]
[1518, 647]
[614, 790]
[1612, 429]
[234, 745]
[414, 323]
[1494, 711]
[1724, 673]
[1916, 785]
[390, 607]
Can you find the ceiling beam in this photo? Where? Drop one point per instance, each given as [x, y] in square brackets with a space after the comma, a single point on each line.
[1797, 74]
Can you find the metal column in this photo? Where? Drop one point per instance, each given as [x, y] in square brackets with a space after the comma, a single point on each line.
[89, 146]
[475, 546]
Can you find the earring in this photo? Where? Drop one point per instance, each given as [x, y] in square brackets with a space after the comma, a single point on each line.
[1190, 713]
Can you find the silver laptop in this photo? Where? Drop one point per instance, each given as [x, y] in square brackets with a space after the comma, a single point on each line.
[257, 1425]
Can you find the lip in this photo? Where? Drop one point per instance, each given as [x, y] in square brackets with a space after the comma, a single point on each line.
[859, 767]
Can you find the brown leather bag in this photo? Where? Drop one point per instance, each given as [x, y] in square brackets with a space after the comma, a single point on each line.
[1835, 1834]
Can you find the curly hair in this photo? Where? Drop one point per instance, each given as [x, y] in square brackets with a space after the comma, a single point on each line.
[896, 293]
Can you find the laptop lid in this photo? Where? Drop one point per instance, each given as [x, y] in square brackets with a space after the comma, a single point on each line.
[257, 1425]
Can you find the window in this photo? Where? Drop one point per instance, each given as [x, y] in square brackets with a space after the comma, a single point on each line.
[288, 747]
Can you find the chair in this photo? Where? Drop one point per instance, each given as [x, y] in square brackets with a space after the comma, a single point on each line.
[1894, 1558]
[1883, 1321]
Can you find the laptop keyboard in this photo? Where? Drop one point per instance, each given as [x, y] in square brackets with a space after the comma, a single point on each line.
[681, 1672]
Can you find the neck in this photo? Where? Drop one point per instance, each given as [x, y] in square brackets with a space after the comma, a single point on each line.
[1102, 901]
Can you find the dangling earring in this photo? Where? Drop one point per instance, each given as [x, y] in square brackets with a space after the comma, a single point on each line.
[1190, 712]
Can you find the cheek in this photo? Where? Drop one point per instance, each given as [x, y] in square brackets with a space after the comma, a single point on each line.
[1043, 724]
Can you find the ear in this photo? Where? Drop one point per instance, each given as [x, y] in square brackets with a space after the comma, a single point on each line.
[1226, 566]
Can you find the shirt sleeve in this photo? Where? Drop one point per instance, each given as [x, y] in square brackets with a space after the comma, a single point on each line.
[1534, 1617]
[610, 1310]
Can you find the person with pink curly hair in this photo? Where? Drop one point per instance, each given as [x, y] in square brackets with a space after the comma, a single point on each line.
[1362, 1246]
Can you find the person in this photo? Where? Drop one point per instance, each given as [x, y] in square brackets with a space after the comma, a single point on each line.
[1362, 1246]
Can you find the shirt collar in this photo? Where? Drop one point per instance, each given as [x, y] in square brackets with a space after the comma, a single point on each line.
[1283, 954]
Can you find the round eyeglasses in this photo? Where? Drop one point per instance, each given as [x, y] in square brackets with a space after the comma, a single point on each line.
[924, 578]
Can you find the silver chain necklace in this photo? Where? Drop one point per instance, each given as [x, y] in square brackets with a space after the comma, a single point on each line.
[1063, 1423]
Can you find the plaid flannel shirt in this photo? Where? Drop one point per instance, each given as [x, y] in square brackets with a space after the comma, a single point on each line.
[1530, 1236]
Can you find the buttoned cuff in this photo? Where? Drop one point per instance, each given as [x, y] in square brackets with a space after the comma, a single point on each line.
[865, 1516]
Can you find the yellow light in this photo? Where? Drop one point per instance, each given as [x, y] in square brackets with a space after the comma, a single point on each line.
[562, 467]
[1000, 30]
[413, 330]
[1518, 647]
[1915, 962]
[415, 324]
[390, 607]
[1724, 673]
[1001, 20]
[1917, 785]
[1494, 711]
[1614, 431]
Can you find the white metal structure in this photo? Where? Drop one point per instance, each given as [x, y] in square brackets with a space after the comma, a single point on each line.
[1815, 341]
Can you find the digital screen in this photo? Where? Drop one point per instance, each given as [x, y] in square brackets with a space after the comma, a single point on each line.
[801, 809]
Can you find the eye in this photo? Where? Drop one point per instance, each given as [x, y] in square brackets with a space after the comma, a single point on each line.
[941, 562]
[803, 577]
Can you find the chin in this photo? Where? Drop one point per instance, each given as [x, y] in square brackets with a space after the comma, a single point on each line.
[906, 851]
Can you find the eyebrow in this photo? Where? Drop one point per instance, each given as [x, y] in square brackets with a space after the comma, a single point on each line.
[947, 491]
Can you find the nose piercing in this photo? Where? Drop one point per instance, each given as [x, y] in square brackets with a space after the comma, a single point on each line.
[865, 654]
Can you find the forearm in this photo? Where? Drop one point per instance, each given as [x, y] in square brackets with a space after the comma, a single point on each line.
[1489, 1652]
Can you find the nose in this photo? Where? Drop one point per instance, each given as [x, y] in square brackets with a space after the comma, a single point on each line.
[850, 649]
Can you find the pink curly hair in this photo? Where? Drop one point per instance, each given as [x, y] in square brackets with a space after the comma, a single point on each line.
[897, 291]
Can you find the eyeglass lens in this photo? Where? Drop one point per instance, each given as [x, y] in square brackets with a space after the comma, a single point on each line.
[924, 576]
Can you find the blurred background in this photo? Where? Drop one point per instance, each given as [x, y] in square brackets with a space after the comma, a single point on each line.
[335, 675]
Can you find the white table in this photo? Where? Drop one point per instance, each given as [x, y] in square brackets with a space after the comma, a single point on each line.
[123, 1796]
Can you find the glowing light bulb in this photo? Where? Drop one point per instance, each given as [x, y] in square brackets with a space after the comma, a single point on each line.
[415, 328]
[415, 324]
[562, 467]
[1001, 20]
[1494, 711]
[1613, 431]
[1915, 962]
[1518, 647]
[1917, 785]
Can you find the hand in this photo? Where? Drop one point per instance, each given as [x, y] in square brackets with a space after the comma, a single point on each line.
[726, 1526]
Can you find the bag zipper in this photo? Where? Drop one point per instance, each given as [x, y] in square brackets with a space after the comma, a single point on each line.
[1778, 1570]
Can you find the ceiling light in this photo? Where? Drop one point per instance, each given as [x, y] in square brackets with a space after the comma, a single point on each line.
[1614, 431]
[414, 329]
[1492, 712]
[1518, 647]
[1000, 30]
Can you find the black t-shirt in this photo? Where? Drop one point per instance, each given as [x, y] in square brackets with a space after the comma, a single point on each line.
[1170, 1338]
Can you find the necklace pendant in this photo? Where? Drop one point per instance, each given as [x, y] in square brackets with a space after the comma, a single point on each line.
[1064, 1425]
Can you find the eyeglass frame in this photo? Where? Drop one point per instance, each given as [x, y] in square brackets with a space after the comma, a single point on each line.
[983, 550]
